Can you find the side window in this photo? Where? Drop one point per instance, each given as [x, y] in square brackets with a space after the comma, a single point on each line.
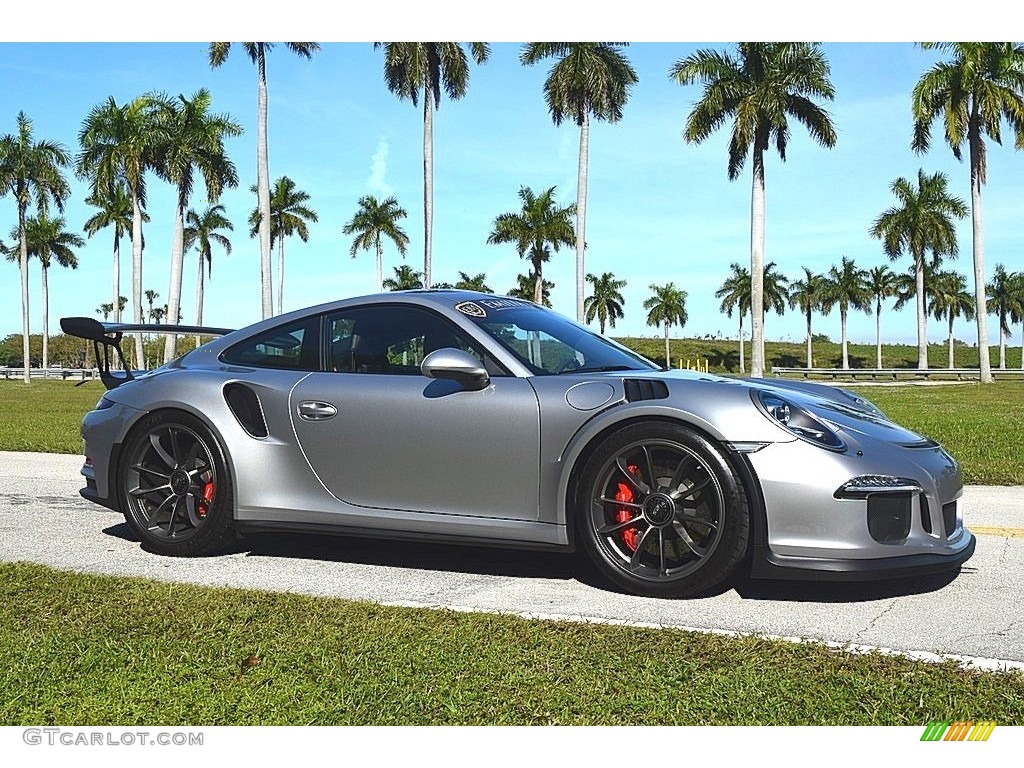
[291, 347]
[388, 339]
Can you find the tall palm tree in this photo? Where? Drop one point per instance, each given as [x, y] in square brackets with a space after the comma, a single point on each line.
[203, 230]
[845, 286]
[538, 228]
[406, 279]
[882, 284]
[289, 215]
[950, 300]
[46, 240]
[373, 221]
[806, 294]
[982, 84]
[118, 143]
[588, 79]
[1006, 301]
[257, 52]
[922, 221]
[192, 144]
[666, 307]
[115, 210]
[735, 295]
[526, 288]
[105, 310]
[415, 69]
[759, 91]
[30, 170]
[151, 296]
[605, 303]
[477, 282]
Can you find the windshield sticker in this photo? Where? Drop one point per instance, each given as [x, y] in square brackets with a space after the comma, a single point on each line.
[499, 304]
[471, 308]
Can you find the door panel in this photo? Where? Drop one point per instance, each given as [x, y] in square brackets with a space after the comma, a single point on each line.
[419, 444]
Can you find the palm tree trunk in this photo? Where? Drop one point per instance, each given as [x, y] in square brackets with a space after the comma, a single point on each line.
[538, 285]
[581, 213]
[23, 264]
[950, 341]
[200, 291]
[1002, 342]
[117, 274]
[1022, 348]
[263, 184]
[742, 366]
[45, 297]
[842, 324]
[878, 334]
[137, 272]
[978, 232]
[810, 341]
[757, 206]
[922, 329]
[174, 289]
[428, 184]
[280, 275]
[380, 267]
[668, 362]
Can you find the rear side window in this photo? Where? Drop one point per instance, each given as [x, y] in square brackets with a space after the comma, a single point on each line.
[291, 347]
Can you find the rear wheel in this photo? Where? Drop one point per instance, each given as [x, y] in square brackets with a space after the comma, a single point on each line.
[662, 512]
[174, 486]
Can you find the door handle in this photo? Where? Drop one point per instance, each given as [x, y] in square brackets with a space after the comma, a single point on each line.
[316, 410]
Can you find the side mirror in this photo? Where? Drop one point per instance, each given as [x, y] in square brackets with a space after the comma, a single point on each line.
[459, 366]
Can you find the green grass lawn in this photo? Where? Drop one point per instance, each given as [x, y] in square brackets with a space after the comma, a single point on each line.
[44, 415]
[100, 650]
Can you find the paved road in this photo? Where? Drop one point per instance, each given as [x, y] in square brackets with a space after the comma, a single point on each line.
[977, 613]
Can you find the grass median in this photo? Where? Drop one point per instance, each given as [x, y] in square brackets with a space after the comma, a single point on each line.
[983, 426]
[103, 650]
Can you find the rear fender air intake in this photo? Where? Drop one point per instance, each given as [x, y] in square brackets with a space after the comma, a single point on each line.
[245, 405]
[644, 389]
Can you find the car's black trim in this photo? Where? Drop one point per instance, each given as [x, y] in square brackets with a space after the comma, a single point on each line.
[769, 565]
[91, 494]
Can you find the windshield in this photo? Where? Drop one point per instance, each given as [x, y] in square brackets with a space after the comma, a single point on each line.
[547, 343]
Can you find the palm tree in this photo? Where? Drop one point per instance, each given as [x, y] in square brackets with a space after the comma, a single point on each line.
[605, 303]
[775, 290]
[157, 314]
[589, 79]
[202, 231]
[373, 221]
[47, 240]
[289, 215]
[118, 144]
[192, 141]
[105, 310]
[846, 287]
[151, 296]
[1005, 300]
[412, 68]
[768, 83]
[806, 295]
[30, 170]
[538, 228]
[406, 279]
[950, 300]
[667, 306]
[218, 53]
[477, 282]
[735, 295]
[921, 222]
[882, 284]
[115, 210]
[983, 84]
[526, 288]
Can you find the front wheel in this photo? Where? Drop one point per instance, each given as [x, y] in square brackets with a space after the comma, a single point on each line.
[662, 513]
[174, 486]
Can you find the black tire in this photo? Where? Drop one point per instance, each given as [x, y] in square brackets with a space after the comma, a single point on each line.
[682, 537]
[174, 486]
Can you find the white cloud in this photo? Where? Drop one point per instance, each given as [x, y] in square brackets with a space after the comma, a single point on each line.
[379, 169]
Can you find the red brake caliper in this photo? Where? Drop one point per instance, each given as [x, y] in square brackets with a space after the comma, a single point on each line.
[623, 515]
[201, 508]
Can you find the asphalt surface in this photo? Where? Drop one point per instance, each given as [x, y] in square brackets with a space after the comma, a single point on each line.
[976, 613]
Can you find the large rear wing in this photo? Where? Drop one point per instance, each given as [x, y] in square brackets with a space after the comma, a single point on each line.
[107, 336]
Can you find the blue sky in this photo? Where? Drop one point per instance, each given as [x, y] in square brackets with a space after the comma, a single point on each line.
[659, 209]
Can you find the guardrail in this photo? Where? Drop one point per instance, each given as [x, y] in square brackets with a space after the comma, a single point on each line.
[81, 374]
[895, 373]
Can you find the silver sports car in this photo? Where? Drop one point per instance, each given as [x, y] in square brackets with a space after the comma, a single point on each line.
[463, 417]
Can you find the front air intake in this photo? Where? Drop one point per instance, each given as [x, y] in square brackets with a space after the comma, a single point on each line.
[889, 517]
[949, 517]
[245, 405]
[644, 389]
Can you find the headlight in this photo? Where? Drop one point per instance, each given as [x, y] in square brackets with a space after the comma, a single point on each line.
[800, 422]
[103, 404]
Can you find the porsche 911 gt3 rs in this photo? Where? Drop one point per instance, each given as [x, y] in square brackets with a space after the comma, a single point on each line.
[465, 417]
